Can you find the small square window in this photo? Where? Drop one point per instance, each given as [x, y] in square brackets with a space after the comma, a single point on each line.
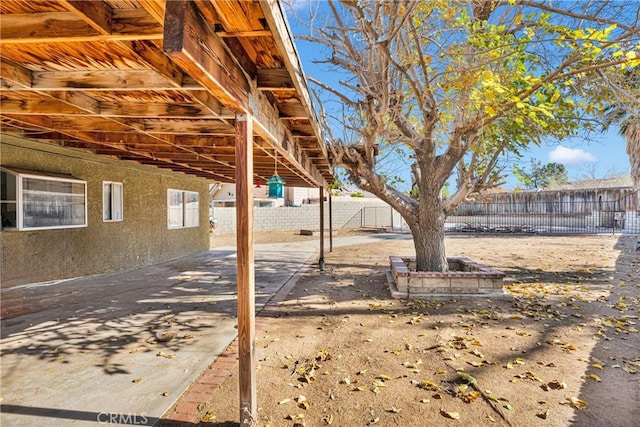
[111, 201]
[183, 209]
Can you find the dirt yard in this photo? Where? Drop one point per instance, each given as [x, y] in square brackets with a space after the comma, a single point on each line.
[562, 350]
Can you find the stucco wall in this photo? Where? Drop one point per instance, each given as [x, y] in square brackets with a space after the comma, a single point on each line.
[142, 238]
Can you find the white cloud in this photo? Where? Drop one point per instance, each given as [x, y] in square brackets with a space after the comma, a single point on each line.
[571, 156]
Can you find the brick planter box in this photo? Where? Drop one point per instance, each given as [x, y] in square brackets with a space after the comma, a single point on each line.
[465, 278]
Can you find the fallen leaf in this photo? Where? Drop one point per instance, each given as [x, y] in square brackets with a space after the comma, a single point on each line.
[428, 385]
[208, 417]
[393, 410]
[576, 403]
[557, 385]
[450, 414]
[543, 415]
[283, 401]
[302, 402]
[166, 356]
[136, 380]
[466, 377]
[294, 417]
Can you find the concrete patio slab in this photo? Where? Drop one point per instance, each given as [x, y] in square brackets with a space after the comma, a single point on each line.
[85, 352]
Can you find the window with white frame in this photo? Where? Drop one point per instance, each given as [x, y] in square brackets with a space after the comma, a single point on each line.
[111, 201]
[183, 209]
[38, 201]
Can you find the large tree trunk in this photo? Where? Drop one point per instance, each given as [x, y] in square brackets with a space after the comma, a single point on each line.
[428, 234]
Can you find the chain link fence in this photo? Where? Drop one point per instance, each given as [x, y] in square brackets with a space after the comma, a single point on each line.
[621, 216]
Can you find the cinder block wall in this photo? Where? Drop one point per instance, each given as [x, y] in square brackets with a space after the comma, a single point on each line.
[345, 212]
[142, 238]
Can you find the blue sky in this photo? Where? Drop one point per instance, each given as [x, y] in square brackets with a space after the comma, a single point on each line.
[602, 155]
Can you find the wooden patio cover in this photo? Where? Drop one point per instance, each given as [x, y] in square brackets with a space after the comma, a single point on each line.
[204, 87]
[161, 83]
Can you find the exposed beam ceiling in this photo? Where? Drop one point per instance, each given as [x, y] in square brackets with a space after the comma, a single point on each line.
[160, 83]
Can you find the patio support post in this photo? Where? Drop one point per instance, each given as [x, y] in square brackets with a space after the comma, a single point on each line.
[321, 260]
[330, 225]
[245, 269]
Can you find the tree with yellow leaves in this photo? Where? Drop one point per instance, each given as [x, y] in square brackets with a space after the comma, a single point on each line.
[454, 86]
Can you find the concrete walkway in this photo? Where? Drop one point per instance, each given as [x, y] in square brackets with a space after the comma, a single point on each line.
[85, 352]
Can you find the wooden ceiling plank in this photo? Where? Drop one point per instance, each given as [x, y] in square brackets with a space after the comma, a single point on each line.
[95, 13]
[209, 13]
[16, 75]
[127, 22]
[236, 16]
[155, 8]
[154, 58]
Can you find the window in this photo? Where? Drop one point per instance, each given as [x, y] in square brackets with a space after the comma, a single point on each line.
[111, 201]
[36, 201]
[183, 209]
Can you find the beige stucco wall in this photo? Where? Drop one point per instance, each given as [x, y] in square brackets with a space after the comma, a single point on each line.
[142, 238]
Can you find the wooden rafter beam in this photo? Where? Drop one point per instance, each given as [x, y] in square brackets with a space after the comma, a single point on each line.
[45, 123]
[37, 105]
[192, 43]
[155, 8]
[111, 80]
[95, 13]
[292, 111]
[65, 27]
[242, 34]
[274, 79]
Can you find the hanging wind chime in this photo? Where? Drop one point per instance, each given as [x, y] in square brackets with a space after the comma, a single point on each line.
[275, 182]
